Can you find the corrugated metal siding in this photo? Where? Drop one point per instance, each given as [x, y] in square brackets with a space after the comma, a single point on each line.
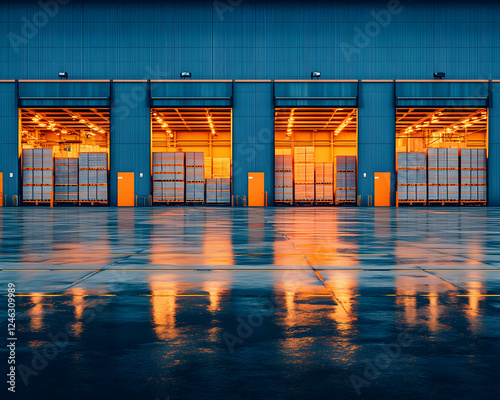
[253, 136]
[9, 137]
[130, 136]
[494, 148]
[376, 136]
[255, 39]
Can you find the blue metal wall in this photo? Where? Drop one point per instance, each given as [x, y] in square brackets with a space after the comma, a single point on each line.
[253, 136]
[494, 147]
[9, 160]
[284, 39]
[376, 136]
[249, 39]
[130, 136]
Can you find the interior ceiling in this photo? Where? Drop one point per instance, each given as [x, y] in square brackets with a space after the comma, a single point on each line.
[191, 119]
[63, 118]
[422, 120]
[316, 119]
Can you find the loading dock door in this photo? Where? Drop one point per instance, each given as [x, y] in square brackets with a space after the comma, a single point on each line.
[382, 189]
[256, 189]
[126, 189]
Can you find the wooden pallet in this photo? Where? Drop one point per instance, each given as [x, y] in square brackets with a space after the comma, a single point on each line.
[412, 202]
[444, 202]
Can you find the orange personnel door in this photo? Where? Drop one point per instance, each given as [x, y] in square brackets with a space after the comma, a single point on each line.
[256, 189]
[126, 189]
[382, 189]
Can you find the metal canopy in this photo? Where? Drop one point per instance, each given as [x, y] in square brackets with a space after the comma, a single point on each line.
[319, 93]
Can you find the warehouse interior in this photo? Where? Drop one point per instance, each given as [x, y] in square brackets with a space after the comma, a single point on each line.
[64, 155]
[191, 156]
[442, 156]
[316, 156]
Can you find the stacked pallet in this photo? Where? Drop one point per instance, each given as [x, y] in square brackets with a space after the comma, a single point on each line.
[345, 179]
[37, 174]
[473, 181]
[283, 178]
[412, 177]
[93, 177]
[324, 182]
[195, 177]
[66, 179]
[303, 166]
[443, 175]
[168, 177]
[222, 168]
[218, 191]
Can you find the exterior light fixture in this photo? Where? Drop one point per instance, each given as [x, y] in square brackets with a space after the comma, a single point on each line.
[439, 75]
[63, 75]
[316, 75]
[185, 75]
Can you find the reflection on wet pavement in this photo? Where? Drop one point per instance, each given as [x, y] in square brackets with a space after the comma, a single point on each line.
[255, 303]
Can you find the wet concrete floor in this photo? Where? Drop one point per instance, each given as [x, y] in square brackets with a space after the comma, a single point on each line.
[220, 303]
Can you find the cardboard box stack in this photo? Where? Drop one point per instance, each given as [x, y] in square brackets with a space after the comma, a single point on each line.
[168, 177]
[303, 166]
[345, 179]
[66, 179]
[324, 182]
[93, 177]
[195, 177]
[473, 180]
[412, 176]
[443, 174]
[37, 174]
[283, 178]
[218, 191]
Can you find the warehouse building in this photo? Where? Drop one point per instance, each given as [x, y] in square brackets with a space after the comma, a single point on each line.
[249, 103]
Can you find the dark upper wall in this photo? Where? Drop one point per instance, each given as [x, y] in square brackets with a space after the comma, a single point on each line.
[249, 39]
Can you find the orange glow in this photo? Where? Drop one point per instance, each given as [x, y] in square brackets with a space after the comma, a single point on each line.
[475, 290]
[163, 307]
[215, 290]
[207, 245]
[36, 312]
[344, 285]
[433, 311]
[78, 302]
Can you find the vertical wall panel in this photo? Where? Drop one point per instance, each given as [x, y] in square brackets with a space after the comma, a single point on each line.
[253, 136]
[252, 39]
[130, 136]
[494, 148]
[376, 136]
[9, 136]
